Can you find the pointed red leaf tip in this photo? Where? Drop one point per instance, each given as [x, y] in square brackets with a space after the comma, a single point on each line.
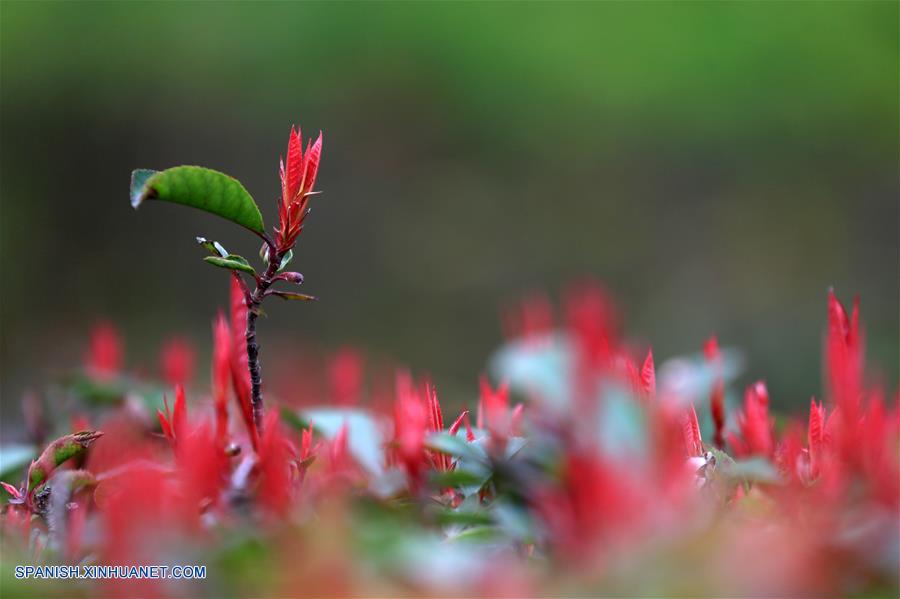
[816, 436]
[717, 395]
[179, 414]
[844, 358]
[691, 431]
[104, 358]
[311, 170]
[293, 170]
[494, 413]
[173, 423]
[463, 419]
[14, 492]
[177, 361]
[754, 423]
[441, 461]
[221, 372]
[240, 369]
[648, 375]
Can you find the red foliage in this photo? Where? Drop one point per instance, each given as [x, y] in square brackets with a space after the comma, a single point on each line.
[240, 374]
[275, 458]
[298, 179]
[221, 374]
[756, 427]
[173, 423]
[717, 395]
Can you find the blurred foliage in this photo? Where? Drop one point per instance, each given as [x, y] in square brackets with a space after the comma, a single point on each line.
[718, 165]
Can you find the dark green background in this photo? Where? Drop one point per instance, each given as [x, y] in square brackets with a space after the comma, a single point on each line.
[718, 165]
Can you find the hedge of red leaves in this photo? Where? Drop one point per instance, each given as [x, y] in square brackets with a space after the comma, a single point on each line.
[595, 480]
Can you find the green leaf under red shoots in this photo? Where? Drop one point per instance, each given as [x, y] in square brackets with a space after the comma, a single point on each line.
[231, 262]
[201, 188]
[289, 295]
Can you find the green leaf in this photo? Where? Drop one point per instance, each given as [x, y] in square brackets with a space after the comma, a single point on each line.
[458, 478]
[201, 188]
[465, 518]
[213, 247]
[290, 295]
[232, 262]
[477, 534]
[753, 470]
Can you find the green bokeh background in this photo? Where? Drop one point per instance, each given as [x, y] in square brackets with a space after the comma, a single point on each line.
[717, 165]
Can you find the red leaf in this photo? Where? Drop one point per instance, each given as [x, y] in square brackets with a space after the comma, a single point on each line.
[11, 490]
[179, 414]
[240, 369]
[293, 170]
[816, 435]
[844, 356]
[164, 424]
[313, 154]
[691, 431]
[648, 375]
[221, 372]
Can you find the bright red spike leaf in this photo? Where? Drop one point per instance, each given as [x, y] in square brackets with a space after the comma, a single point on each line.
[240, 373]
[691, 431]
[844, 356]
[648, 375]
[13, 491]
[274, 490]
[717, 395]
[756, 427]
[221, 373]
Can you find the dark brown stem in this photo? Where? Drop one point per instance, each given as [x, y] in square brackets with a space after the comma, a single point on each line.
[254, 300]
